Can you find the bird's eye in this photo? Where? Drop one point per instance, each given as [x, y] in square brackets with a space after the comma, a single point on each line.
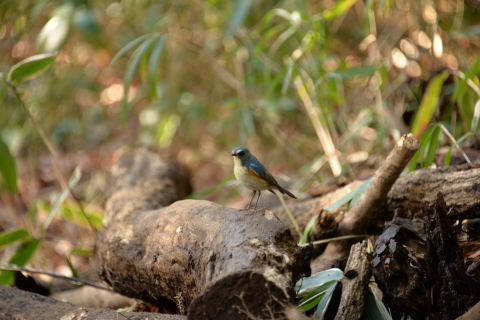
[241, 153]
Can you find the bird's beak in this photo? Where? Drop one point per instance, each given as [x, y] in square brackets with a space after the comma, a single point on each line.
[234, 155]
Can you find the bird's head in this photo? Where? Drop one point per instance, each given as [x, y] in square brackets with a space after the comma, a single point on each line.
[241, 155]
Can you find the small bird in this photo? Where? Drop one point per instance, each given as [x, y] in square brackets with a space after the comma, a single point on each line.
[253, 175]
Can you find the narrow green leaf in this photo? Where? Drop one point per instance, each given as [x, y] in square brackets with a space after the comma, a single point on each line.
[448, 157]
[362, 71]
[127, 47]
[462, 84]
[338, 9]
[476, 116]
[122, 310]
[74, 214]
[428, 105]
[354, 194]
[77, 174]
[81, 252]
[204, 192]
[374, 307]
[324, 302]
[30, 68]
[130, 70]
[7, 168]
[21, 257]
[432, 147]
[10, 236]
[72, 268]
[421, 150]
[306, 285]
[240, 10]
[311, 300]
[288, 77]
[152, 65]
[306, 231]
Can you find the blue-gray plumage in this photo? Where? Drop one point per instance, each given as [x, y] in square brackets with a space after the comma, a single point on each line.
[253, 175]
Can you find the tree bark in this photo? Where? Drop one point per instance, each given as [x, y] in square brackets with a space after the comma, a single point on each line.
[195, 256]
[354, 283]
[460, 185]
[18, 304]
[420, 267]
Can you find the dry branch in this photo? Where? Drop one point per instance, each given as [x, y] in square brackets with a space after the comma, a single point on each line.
[369, 203]
[354, 283]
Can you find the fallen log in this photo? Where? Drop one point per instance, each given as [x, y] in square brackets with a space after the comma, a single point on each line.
[192, 256]
[18, 304]
[460, 186]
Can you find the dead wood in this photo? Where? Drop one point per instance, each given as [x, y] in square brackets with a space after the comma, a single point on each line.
[460, 186]
[369, 203]
[195, 256]
[399, 266]
[452, 291]
[87, 296]
[422, 273]
[18, 304]
[354, 283]
[472, 314]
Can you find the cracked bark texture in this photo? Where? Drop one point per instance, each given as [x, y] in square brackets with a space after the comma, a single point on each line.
[22, 305]
[193, 256]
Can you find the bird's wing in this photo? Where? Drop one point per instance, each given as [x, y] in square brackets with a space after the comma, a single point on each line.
[264, 174]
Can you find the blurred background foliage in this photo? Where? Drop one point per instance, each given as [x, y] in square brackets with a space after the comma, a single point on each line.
[319, 90]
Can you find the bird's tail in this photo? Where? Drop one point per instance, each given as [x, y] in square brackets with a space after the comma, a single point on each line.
[288, 193]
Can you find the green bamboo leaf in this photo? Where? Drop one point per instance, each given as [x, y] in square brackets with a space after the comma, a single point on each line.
[77, 174]
[8, 168]
[11, 236]
[341, 7]
[30, 68]
[152, 65]
[312, 302]
[362, 71]
[306, 285]
[312, 299]
[354, 194]
[240, 10]
[421, 150]
[306, 231]
[476, 116]
[432, 147]
[127, 47]
[55, 31]
[77, 216]
[72, 268]
[428, 105]
[374, 307]
[130, 70]
[21, 257]
[288, 77]
[324, 302]
[448, 157]
[81, 252]
[204, 192]
[462, 84]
